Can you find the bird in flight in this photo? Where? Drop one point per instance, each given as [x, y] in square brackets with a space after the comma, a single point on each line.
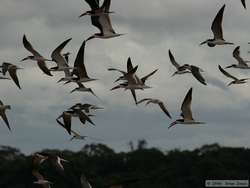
[217, 31]
[186, 112]
[235, 80]
[242, 64]
[158, 102]
[3, 109]
[36, 57]
[186, 68]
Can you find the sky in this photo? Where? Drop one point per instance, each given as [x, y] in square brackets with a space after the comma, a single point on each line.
[151, 28]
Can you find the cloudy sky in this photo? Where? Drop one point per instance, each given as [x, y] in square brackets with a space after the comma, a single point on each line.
[151, 27]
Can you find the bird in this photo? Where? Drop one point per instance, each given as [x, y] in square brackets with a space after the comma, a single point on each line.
[77, 136]
[67, 116]
[156, 101]
[217, 31]
[40, 179]
[36, 57]
[3, 108]
[84, 182]
[79, 67]
[235, 80]
[103, 23]
[82, 88]
[180, 69]
[242, 64]
[186, 112]
[59, 58]
[96, 10]
[56, 161]
[86, 107]
[244, 4]
[11, 69]
[38, 159]
[186, 68]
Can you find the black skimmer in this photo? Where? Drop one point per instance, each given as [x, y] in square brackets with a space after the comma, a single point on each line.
[82, 88]
[186, 112]
[186, 68]
[235, 80]
[156, 101]
[36, 57]
[38, 159]
[242, 64]
[79, 67]
[86, 107]
[96, 10]
[217, 31]
[59, 58]
[3, 108]
[103, 23]
[11, 69]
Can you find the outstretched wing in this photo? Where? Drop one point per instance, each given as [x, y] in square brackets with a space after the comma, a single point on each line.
[217, 24]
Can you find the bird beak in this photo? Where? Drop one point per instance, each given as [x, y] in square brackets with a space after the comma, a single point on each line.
[172, 124]
[24, 59]
[173, 74]
[73, 90]
[60, 80]
[116, 87]
[203, 43]
[230, 84]
[229, 67]
[84, 14]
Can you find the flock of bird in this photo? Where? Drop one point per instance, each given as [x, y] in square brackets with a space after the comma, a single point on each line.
[128, 80]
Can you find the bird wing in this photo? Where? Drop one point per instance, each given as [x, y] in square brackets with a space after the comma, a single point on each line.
[42, 65]
[217, 24]
[5, 119]
[186, 106]
[164, 109]
[83, 117]
[67, 121]
[57, 56]
[129, 65]
[106, 25]
[226, 73]
[29, 47]
[143, 100]
[236, 55]
[147, 76]
[197, 74]
[244, 3]
[75, 133]
[134, 95]
[94, 4]
[13, 75]
[5, 67]
[172, 59]
[1, 103]
[106, 5]
[113, 69]
[79, 67]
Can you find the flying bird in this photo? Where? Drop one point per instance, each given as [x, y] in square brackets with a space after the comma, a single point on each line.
[11, 69]
[217, 31]
[180, 69]
[79, 67]
[102, 22]
[186, 112]
[235, 80]
[82, 88]
[3, 108]
[242, 64]
[59, 58]
[156, 101]
[186, 68]
[96, 10]
[36, 57]
[38, 159]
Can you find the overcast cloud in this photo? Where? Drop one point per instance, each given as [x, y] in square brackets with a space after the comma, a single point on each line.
[151, 27]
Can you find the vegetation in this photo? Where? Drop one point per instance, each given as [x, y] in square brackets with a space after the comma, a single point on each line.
[141, 167]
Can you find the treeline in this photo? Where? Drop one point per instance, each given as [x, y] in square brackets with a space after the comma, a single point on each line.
[141, 167]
